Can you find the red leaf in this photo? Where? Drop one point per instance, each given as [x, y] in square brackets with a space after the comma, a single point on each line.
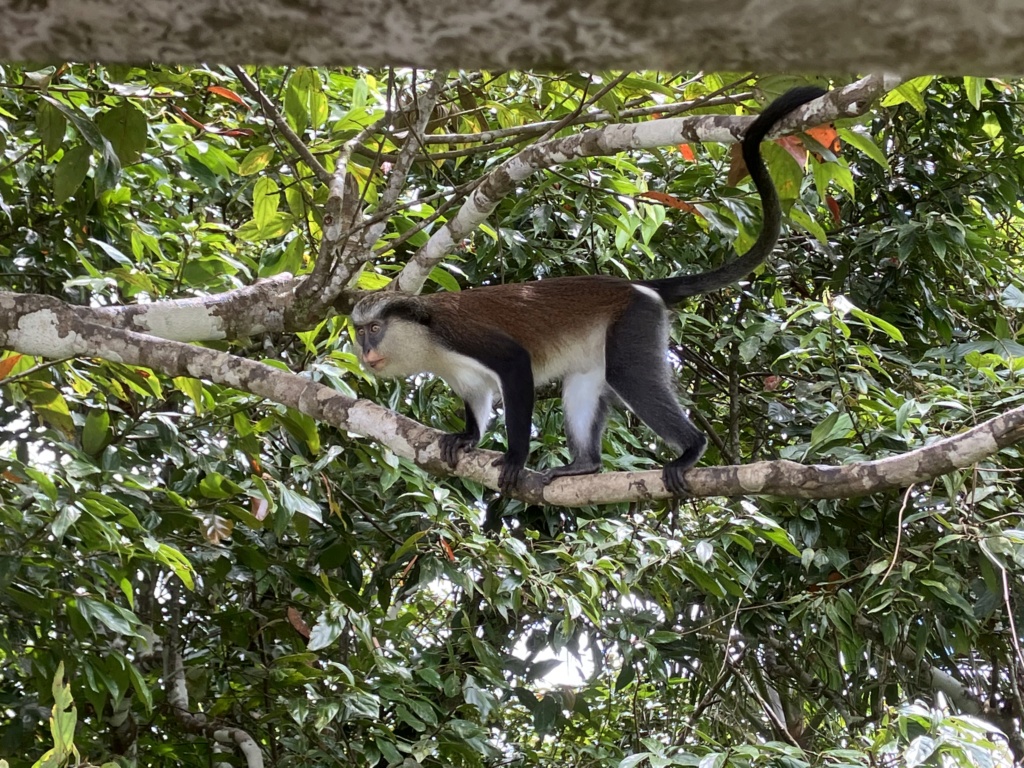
[687, 152]
[795, 147]
[227, 94]
[188, 118]
[833, 206]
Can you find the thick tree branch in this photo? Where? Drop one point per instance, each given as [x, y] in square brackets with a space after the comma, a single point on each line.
[849, 101]
[264, 307]
[44, 326]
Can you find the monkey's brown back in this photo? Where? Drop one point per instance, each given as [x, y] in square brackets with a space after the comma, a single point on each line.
[551, 307]
[547, 317]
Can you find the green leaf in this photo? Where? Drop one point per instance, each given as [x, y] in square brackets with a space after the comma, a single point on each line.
[780, 538]
[1012, 297]
[872, 322]
[125, 127]
[800, 217]
[116, 619]
[835, 427]
[257, 159]
[974, 87]
[326, 630]
[44, 481]
[866, 144]
[910, 92]
[96, 433]
[70, 173]
[633, 760]
[297, 503]
[109, 166]
[265, 201]
[52, 125]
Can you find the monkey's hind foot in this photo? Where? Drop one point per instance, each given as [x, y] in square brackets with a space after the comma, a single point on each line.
[453, 444]
[674, 473]
[511, 474]
[575, 467]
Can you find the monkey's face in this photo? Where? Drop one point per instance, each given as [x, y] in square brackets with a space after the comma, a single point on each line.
[390, 338]
[369, 338]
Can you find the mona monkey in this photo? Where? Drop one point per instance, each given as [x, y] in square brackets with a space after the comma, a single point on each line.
[604, 337]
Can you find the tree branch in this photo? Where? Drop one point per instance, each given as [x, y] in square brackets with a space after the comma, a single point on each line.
[44, 326]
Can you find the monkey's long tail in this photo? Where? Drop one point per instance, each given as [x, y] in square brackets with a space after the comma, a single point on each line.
[674, 289]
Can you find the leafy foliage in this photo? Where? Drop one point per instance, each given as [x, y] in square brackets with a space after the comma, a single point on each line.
[343, 607]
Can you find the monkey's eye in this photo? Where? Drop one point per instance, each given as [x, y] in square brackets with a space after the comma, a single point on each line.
[360, 331]
[375, 328]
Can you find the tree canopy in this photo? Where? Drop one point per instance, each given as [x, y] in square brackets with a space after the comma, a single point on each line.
[221, 541]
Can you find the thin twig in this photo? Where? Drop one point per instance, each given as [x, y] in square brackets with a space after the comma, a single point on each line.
[899, 535]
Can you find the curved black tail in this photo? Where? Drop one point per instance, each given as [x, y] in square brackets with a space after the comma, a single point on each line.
[674, 289]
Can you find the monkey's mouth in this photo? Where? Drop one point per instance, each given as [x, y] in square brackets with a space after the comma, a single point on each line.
[376, 364]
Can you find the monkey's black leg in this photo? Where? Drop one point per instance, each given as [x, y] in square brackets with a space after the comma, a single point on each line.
[511, 364]
[586, 408]
[452, 444]
[478, 413]
[516, 375]
[639, 373]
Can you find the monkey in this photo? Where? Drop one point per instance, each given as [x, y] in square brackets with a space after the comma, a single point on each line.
[605, 337]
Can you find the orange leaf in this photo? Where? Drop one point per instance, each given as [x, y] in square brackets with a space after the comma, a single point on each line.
[227, 94]
[827, 136]
[447, 550]
[7, 365]
[833, 206]
[10, 476]
[687, 152]
[672, 202]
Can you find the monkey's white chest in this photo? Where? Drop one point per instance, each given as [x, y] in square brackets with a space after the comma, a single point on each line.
[466, 376]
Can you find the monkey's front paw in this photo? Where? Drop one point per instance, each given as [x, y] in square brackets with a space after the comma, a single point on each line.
[452, 445]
